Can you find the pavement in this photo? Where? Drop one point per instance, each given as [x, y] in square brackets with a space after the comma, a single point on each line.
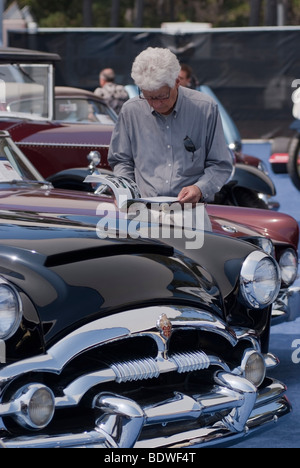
[285, 338]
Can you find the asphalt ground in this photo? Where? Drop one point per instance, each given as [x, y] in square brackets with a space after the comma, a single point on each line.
[285, 338]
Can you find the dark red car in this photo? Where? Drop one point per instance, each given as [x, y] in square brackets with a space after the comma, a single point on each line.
[27, 111]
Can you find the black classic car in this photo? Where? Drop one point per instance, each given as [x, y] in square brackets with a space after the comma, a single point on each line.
[113, 342]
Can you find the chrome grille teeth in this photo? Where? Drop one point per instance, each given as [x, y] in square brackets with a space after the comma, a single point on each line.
[192, 361]
[135, 370]
[148, 368]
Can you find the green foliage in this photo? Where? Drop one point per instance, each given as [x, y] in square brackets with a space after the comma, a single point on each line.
[221, 13]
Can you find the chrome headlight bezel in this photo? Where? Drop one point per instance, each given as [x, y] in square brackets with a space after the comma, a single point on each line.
[260, 280]
[288, 264]
[253, 367]
[10, 309]
[263, 243]
[33, 406]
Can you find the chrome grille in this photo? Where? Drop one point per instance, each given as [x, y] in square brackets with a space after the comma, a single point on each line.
[148, 368]
[191, 361]
[135, 370]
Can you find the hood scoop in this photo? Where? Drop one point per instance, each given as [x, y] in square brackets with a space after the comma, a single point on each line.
[126, 248]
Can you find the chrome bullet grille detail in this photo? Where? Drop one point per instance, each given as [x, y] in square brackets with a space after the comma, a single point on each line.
[135, 370]
[191, 361]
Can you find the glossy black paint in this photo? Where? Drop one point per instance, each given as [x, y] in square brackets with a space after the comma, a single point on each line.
[68, 277]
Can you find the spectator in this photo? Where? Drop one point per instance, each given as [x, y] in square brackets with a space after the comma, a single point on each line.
[113, 94]
[169, 139]
[187, 77]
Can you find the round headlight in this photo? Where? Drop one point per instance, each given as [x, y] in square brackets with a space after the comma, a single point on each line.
[254, 367]
[10, 310]
[288, 264]
[263, 243]
[259, 280]
[37, 406]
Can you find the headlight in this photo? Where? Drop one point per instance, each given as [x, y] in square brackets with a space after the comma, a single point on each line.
[263, 243]
[288, 264]
[10, 310]
[35, 404]
[259, 280]
[253, 367]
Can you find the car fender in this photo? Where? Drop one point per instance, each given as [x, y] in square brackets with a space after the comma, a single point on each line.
[252, 178]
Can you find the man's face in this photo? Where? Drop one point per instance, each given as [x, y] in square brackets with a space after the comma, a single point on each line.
[162, 99]
[183, 78]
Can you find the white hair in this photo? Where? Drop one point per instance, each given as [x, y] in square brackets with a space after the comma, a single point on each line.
[154, 68]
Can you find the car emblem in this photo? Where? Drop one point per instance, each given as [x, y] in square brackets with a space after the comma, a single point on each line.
[164, 325]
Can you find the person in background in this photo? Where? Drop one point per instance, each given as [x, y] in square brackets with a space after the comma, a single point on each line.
[113, 94]
[169, 139]
[187, 77]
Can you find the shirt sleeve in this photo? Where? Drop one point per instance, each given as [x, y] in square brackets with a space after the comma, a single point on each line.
[219, 160]
[120, 156]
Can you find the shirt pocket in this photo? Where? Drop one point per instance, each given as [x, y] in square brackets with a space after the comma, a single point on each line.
[193, 163]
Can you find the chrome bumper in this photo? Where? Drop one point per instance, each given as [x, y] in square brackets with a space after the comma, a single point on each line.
[168, 395]
[287, 306]
[245, 410]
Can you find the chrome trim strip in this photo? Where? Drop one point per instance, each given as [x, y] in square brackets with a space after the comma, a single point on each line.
[63, 145]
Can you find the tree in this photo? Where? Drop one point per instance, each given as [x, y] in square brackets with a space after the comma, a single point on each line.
[270, 13]
[87, 13]
[151, 13]
[115, 13]
[139, 11]
[255, 10]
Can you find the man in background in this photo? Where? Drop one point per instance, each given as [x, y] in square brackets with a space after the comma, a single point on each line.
[112, 93]
[186, 77]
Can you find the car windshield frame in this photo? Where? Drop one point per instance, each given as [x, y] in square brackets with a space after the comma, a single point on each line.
[27, 90]
[14, 166]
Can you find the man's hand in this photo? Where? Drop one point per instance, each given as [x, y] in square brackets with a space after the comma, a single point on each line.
[190, 194]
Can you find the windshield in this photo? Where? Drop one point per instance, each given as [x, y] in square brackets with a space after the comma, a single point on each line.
[73, 109]
[14, 166]
[27, 89]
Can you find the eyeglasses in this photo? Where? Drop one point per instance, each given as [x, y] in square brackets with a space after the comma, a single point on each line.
[163, 97]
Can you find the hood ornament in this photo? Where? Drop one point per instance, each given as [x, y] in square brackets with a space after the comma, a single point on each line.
[164, 325]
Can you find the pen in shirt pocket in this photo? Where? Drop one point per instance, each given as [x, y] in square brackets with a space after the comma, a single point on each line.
[189, 146]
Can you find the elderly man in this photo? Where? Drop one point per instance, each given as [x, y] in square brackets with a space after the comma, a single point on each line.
[169, 139]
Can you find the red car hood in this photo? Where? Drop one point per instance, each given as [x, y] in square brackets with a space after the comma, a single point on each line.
[81, 206]
[49, 133]
[279, 227]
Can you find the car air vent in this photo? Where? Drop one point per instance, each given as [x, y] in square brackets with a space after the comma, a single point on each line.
[109, 251]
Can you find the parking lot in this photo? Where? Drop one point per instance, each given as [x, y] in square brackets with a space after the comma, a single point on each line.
[285, 338]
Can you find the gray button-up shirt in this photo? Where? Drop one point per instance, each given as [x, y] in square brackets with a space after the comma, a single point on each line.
[149, 148]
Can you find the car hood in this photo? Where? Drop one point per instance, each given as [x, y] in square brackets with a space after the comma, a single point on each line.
[82, 207]
[28, 132]
[66, 267]
[279, 227]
